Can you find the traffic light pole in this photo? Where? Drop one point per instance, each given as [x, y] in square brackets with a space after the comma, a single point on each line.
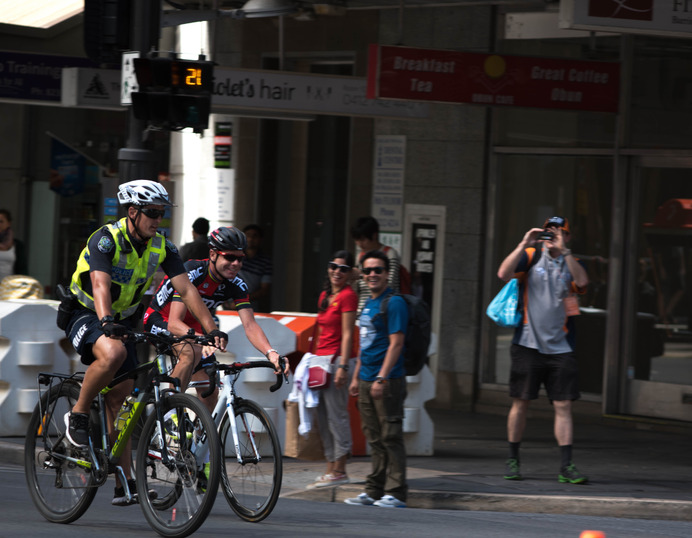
[135, 162]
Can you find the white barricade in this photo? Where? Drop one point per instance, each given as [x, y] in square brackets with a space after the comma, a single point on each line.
[32, 345]
[254, 384]
[419, 430]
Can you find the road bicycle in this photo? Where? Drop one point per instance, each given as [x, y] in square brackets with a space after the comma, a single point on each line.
[252, 461]
[178, 460]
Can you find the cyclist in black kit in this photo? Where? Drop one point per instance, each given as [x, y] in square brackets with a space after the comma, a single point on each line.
[217, 281]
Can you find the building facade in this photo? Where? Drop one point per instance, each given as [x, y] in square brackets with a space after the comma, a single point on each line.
[620, 177]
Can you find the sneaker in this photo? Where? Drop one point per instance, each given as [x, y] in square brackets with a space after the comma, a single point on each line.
[329, 479]
[390, 502]
[77, 428]
[512, 469]
[571, 474]
[170, 423]
[119, 497]
[203, 479]
[363, 499]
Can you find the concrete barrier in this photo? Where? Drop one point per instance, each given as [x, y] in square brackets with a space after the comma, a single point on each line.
[30, 342]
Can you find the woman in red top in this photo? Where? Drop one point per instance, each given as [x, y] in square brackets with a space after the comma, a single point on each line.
[336, 318]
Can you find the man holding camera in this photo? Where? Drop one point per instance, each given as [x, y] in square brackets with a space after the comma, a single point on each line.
[542, 351]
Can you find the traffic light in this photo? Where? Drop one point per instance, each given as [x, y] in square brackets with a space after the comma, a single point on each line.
[173, 94]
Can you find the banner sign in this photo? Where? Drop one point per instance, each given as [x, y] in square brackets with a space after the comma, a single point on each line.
[34, 78]
[302, 93]
[653, 17]
[492, 79]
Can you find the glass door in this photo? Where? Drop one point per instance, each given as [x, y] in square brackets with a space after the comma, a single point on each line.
[658, 331]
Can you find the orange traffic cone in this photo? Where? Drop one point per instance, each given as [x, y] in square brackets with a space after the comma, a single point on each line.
[592, 534]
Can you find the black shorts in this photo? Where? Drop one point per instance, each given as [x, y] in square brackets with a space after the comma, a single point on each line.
[84, 328]
[531, 369]
[155, 323]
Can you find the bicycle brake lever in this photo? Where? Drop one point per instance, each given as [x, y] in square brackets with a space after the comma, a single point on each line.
[211, 372]
[280, 376]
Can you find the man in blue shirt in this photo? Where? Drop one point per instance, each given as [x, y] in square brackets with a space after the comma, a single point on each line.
[379, 382]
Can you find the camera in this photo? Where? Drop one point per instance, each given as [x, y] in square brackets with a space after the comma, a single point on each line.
[546, 235]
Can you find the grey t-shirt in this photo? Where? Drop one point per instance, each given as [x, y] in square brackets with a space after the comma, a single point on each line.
[548, 282]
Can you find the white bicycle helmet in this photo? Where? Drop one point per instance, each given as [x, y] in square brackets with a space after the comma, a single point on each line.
[143, 192]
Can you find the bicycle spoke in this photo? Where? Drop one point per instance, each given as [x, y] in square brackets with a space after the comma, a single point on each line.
[171, 467]
[252, 474]
[61, 489]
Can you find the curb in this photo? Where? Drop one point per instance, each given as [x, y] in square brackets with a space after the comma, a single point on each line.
[627, 507]
[624, 507]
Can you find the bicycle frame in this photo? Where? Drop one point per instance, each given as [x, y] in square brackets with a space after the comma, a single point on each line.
[228, 400]
[116, 451]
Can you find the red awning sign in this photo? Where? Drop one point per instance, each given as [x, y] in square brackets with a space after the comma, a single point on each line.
[492, 79]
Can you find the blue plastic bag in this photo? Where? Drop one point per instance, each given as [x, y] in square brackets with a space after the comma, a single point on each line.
[504, 308]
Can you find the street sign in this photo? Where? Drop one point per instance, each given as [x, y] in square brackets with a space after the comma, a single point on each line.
[129, 80]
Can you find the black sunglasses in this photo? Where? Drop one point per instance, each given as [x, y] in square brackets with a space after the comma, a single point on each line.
[336, 267]
[232, 257]
[153, 213]
[377, 270]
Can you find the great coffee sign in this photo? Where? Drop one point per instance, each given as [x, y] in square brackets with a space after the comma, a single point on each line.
[492, 79]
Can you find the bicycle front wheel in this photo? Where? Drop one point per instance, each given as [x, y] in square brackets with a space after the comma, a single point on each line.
[178, 469]
[61, 488]
[252, 474]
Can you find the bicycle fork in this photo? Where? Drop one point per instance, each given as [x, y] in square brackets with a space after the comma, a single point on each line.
[230, 398]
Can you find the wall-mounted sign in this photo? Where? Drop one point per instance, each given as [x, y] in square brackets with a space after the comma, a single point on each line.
[388, 182]
[492, 79]
[653, 17]
[302, 93]
[91, 88]
[34, 78]
[223, 139]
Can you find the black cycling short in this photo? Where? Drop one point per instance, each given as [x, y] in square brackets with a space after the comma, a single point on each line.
[531, 369]
[84, 328]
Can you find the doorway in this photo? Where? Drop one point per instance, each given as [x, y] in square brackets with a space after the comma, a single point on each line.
[658, 323]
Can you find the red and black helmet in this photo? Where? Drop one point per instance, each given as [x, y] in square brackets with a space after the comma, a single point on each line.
[227, 238]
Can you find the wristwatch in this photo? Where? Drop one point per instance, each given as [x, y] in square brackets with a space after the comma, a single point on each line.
[106, 319]
[344, 366]
[266, 353]
[381, 380]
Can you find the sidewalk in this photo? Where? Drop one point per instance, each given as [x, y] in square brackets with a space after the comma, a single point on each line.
[637, 469]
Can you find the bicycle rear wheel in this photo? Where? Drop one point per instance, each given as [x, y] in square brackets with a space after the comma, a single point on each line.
[251, 485]
[61, 490]
[177, 492]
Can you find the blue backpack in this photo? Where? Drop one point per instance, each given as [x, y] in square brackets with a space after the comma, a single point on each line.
[418, 331]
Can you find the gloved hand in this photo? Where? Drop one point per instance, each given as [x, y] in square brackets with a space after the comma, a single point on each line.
[220, 338]
[216, 333]
[111, 328]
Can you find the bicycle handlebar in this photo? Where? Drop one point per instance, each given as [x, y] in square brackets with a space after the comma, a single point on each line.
[166, 338]
[237, 367]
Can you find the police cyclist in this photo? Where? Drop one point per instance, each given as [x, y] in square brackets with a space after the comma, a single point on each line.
[113, 272]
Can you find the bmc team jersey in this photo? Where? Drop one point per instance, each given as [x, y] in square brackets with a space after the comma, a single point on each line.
[212, 291]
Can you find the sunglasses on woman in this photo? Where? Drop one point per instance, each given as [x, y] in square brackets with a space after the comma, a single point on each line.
[377, 270]
[232, 257]
[153, 213]
[337, 267]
